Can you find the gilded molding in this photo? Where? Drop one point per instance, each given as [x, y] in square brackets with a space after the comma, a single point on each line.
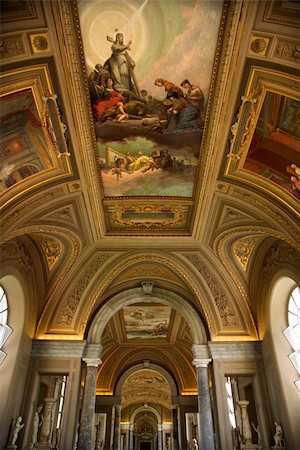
[76, 62]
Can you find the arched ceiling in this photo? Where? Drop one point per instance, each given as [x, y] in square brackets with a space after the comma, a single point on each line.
[197, 216]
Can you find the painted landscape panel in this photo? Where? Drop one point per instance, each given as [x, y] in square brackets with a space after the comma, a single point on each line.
[146, 322]
[149, 66]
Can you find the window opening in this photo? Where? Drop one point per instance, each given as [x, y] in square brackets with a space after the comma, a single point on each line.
[292, 332]
[5, 329]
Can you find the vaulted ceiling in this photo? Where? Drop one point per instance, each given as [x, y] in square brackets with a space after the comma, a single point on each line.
[198, 212]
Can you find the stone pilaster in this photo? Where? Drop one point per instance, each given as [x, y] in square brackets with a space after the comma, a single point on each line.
[117, 434]
[201, 363]
[131, 432]
[92, 359]
[159, 436]
[175, 427]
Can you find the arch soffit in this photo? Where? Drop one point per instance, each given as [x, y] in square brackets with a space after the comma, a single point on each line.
[150, 366]
[136, 295]
[143, 409]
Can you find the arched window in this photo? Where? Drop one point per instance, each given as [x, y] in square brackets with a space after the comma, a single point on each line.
[292, 332]
[5, 330]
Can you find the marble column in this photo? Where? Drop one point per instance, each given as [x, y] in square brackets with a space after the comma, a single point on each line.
[131, 431]
[175, 427]
[204, 405]
[117, 434]
[159, 432]
[92, 360]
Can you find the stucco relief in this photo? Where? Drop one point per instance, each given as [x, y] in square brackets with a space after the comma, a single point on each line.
[223, 304]
[51, 248]
[16, 252]
[242, 250]
[69, 309]
[279, 253]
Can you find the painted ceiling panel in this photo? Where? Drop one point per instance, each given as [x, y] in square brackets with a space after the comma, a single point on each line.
[149, 67]
[146, 322]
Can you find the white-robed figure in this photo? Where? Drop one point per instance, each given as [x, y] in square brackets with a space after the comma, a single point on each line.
[121, 65]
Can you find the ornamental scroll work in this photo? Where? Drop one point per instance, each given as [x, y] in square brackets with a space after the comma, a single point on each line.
[68, 311]
[54, 125]
[52, 249]
[225, 308]
[242, 130]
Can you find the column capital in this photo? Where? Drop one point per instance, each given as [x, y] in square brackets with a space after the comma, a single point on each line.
[159, 427]
[201, 362]
[92, 362]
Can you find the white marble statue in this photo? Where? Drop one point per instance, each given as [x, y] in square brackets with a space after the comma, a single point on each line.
[278, 436]
[15, 431]
[36, 423]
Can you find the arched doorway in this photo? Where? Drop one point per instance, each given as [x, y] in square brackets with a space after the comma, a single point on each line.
[158, 331]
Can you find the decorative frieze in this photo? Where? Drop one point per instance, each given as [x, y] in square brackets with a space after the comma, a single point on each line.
[11, 46]
[287, 50]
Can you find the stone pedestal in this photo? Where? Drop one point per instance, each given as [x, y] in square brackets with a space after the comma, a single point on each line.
[246, 427]
[46, 427]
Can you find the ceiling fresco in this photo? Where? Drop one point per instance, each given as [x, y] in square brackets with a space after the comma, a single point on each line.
[149, 68]
[146, 322]
[274, 151]
[23, 149]
[144, 383]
